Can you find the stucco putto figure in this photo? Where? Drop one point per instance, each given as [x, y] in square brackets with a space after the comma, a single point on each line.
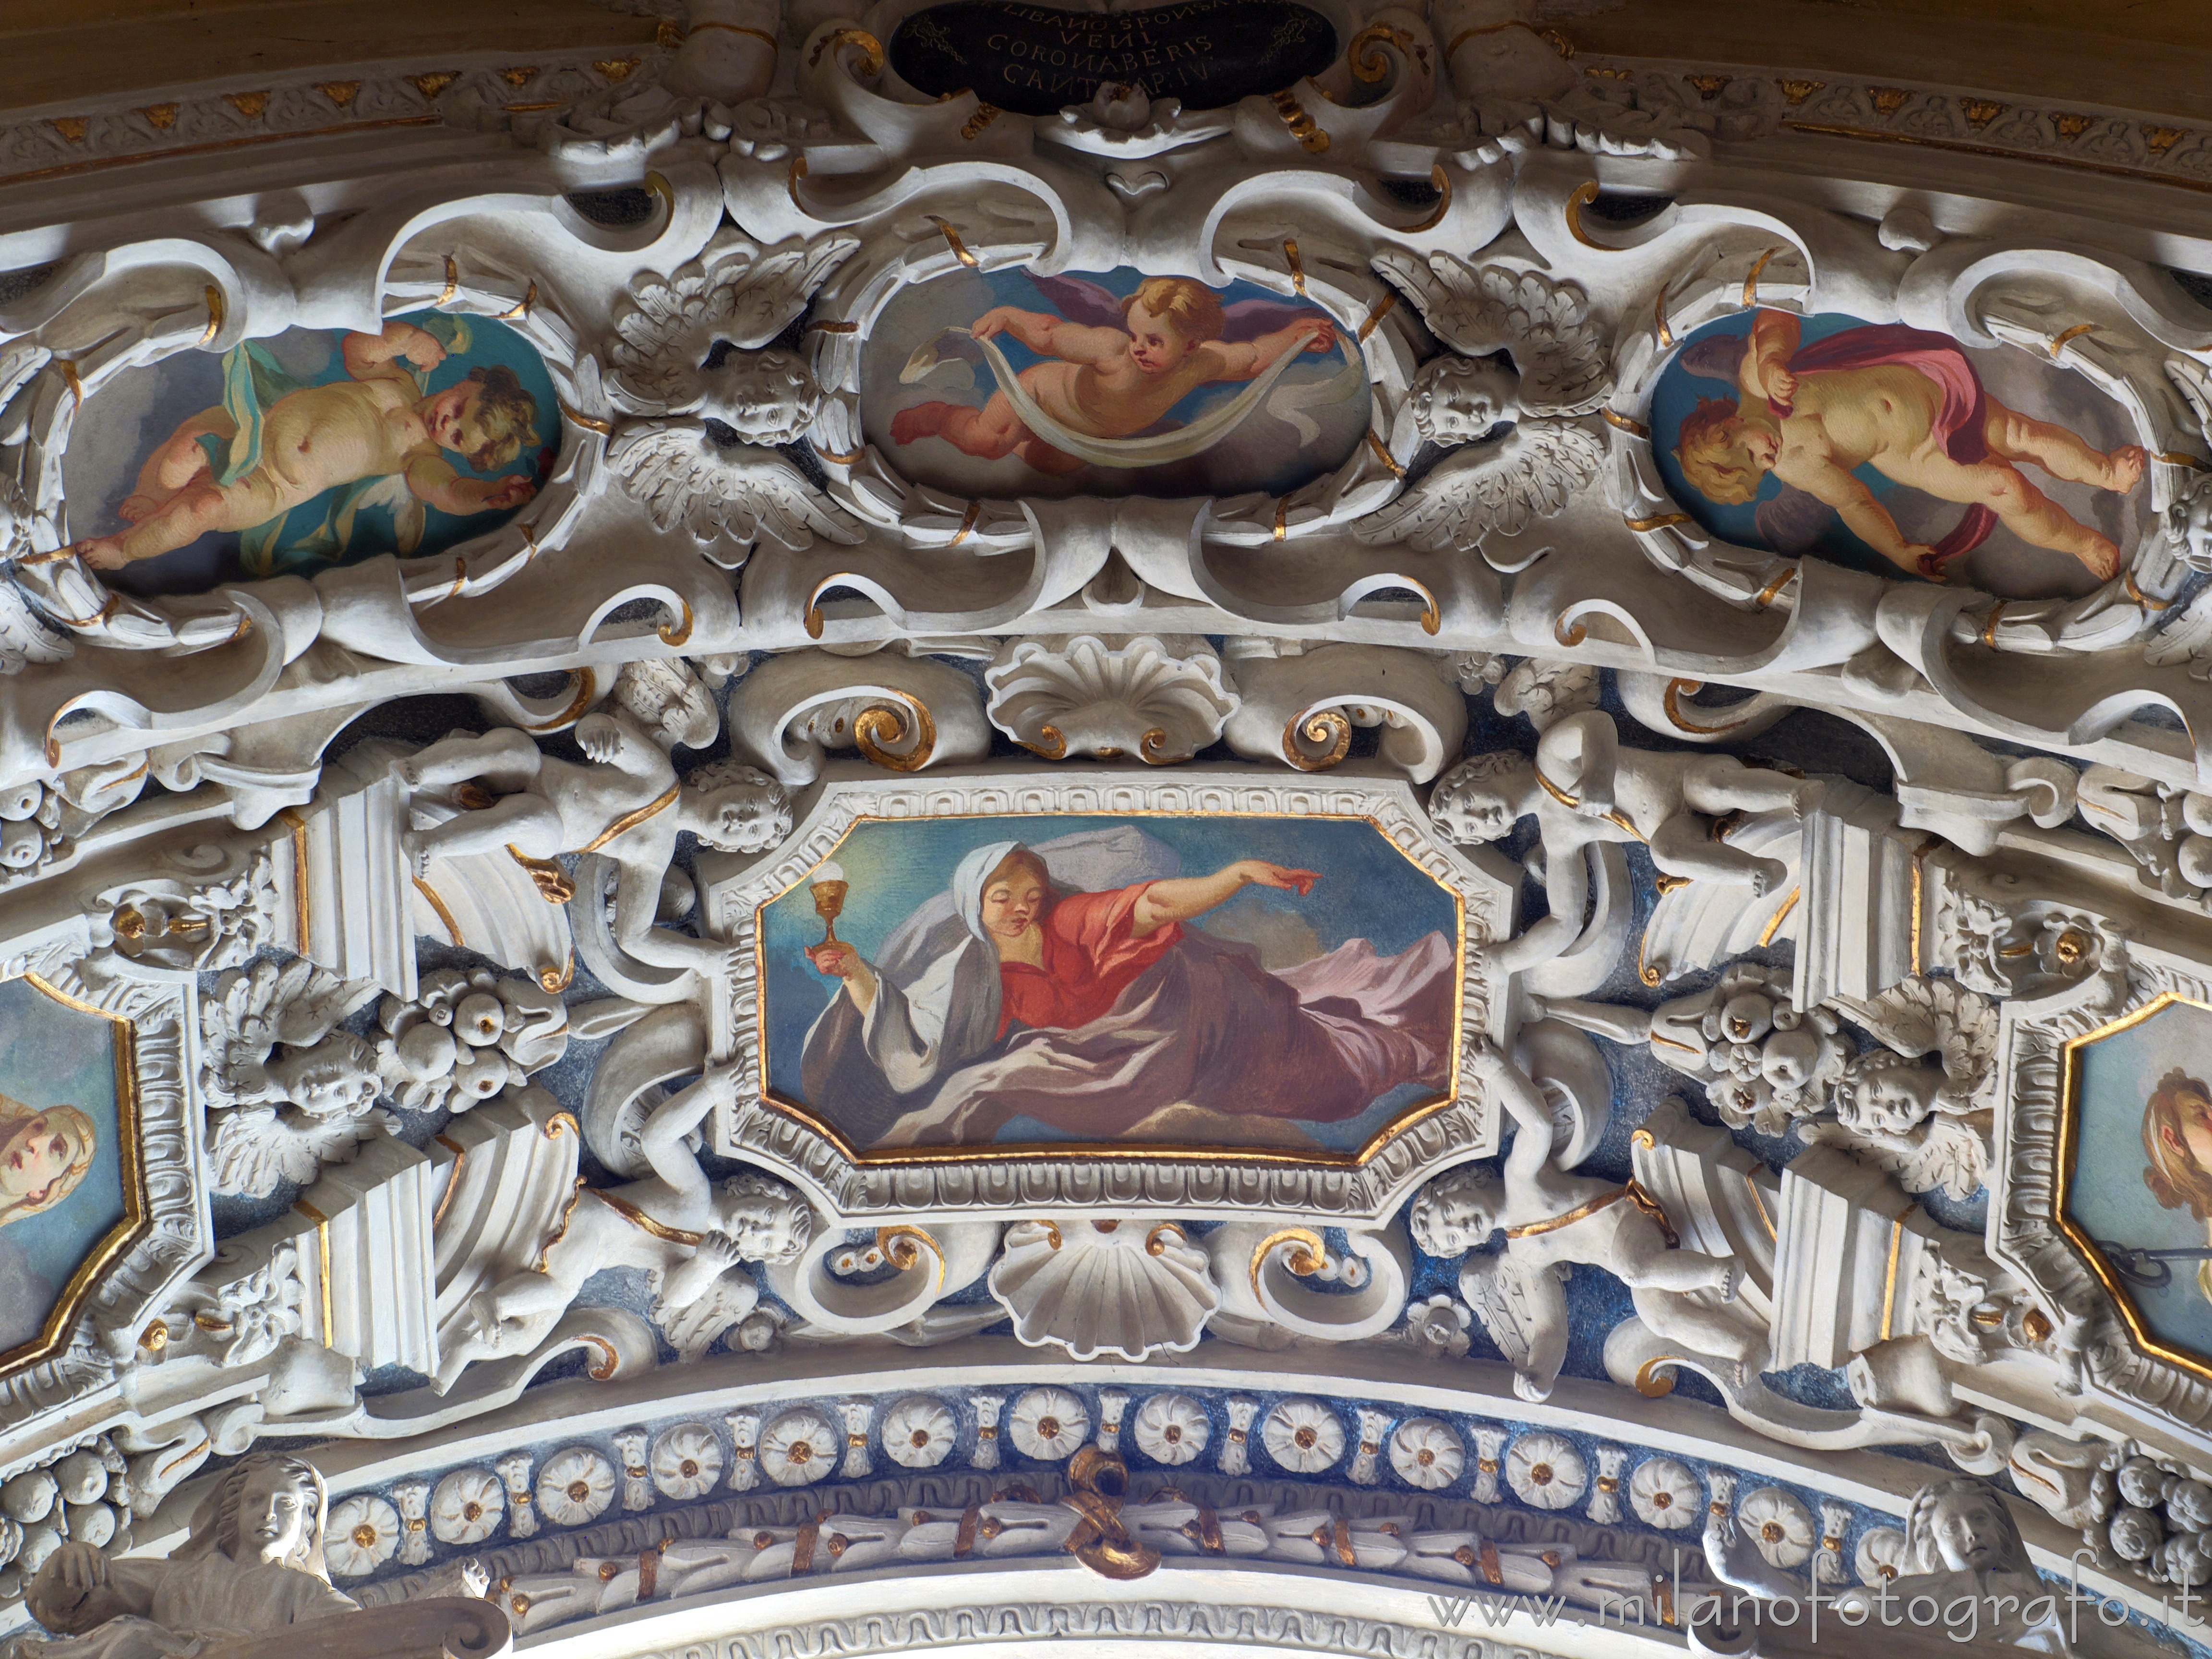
[689, 1234]
[626, 804]
[1552, 1220]
[1582, 786]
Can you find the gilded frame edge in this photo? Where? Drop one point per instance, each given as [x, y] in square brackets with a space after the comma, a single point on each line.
[1239, 1182]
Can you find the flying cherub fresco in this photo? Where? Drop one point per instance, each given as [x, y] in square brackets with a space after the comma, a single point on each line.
[275, 445]
[1905, 402]
[1116, 366]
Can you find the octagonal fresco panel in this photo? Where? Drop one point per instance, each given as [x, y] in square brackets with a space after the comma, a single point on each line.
[70, 1193]
[2137, 1197]
[1228, 982]
[1883, 448]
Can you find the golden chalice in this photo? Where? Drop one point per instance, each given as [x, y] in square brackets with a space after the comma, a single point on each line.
[829, 887]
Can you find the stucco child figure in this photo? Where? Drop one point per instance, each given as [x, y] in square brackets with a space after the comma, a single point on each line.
[686, 1231]
[274, 445]
[1907, 402]
[1552, 1219]
[1583, 787]
[1111, 380]
[626, 804]
[253, 1566]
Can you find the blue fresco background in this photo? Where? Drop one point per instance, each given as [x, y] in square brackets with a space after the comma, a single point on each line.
[2106, 1196]
[1263, 453]
[55, 1055]
[1368, 890]
[124, 422]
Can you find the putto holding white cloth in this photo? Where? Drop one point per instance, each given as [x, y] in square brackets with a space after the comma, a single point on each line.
[1118, 367]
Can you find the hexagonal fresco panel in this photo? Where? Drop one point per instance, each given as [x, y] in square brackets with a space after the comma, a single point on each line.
[1225, 984]
[2137, 1197]
[70, 1184]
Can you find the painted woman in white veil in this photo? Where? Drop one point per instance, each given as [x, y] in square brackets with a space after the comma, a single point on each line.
[1092, 1011]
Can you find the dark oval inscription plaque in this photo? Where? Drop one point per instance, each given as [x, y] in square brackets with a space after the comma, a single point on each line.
[1036, 59]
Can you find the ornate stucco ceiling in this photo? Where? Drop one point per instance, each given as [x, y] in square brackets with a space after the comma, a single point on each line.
[821, 868]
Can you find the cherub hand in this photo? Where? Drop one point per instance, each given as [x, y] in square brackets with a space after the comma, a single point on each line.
[80, 1566]
[424, 351]
[1260, 873]
[1484, 1060]
[721, 1250]
[996, 320]
[511, 490]
[1781, 385]
[600, 741]
[1320, 331]
[722, 1081]
[719, 955]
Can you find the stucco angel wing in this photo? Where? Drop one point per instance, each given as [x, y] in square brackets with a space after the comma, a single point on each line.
[254, 1150]
[737, 291]
[292, 1002]
[1530, 474]
[1923, 1015]
[740, 492]
[1943, 1152]
[1524, 1308]
[1545, 326]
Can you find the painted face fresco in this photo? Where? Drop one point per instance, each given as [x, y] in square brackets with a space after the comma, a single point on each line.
[62, 1191]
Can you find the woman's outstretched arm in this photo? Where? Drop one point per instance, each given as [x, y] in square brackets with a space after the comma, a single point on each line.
[1186, 896]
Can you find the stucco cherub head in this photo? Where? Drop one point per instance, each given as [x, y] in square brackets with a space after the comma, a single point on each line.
[765, 1219]
[1456, 1212]
[1482, 798]
[1456, 400]
[2189, 526]
[736, 808]
[1962, 1526]
[1888, 1094]
[764, 397]
[335, 1078]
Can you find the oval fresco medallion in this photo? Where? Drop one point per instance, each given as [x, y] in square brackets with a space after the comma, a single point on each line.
[1901, 452]
[310, 449]
[1006, 384]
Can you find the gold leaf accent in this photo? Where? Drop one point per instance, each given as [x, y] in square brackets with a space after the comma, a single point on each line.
[341, 93]
[1980, 112]
[160, 117]
[436, 82]
[1709, 86]
[520, 76]
[251, 105]
[1888, 100]
[1795, 93]
[72, 127]
[2070, 125]
[876, 725]
[617, 69]
[2159, 140]
[1327, 726]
